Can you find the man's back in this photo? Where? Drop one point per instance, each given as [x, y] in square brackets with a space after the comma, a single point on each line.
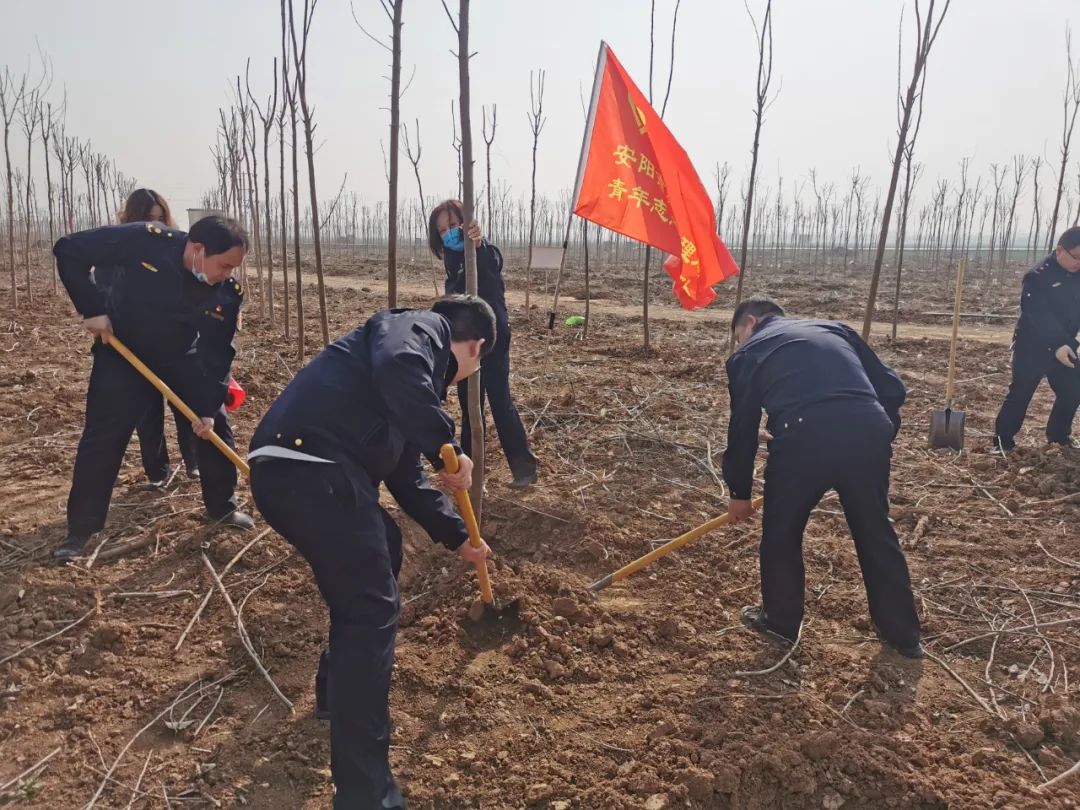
[356, 401]
[793, 366]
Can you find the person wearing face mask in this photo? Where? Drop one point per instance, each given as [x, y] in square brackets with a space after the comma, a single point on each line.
[446, 238]
[360, 414]
[146, 205]
[174, 304]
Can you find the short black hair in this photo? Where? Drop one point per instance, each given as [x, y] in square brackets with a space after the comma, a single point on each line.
[1070, 238]
[471, 318]
[759, 306]
[219, 235]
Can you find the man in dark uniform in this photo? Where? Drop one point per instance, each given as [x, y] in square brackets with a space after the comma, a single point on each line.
[151, 428]
[446, 238]
[833, 410]
[361, 413]
[173, 303]
[1045, 345]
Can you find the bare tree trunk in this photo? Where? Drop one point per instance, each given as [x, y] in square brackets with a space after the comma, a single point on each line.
[47, 129]
[415, 161]
[290, 91]
[29, 109]
[267, 120]
[249, 147]
[300, 64]
[476, 416]
[487, 148]
[1034, 233]
[764, 77]
[536, 124]
[1072, 107]
[911, 176]
[998, 173]
[925, 36]
[395, 140]
[284, 222]
[11, 94]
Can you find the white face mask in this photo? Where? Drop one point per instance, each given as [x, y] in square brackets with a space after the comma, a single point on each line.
[201, 276]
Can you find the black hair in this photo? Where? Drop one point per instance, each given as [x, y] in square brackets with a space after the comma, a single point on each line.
[219, 235]
[452, 207]
[759, 306]
[1070, 238]
[471, 318]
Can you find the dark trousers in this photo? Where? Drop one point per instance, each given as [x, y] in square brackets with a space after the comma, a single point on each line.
[354, 550]
[151, 432]
[1029, 366]
[851, 453]
[116, 401]
[495, 388]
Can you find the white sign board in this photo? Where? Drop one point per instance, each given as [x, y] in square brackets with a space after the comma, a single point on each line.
[546, 258]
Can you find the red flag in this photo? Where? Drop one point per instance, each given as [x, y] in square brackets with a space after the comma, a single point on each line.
[635, 179]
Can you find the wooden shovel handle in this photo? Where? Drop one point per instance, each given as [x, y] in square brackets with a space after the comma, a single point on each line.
[955, 332]
[464, 502]
[178, 403]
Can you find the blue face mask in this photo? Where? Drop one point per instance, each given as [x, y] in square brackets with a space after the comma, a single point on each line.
[201, 276]
[454, 239]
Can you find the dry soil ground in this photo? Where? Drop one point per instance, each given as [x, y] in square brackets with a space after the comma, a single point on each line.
[630, 700]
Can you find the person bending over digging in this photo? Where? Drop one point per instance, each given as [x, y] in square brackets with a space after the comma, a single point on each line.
[146, 205]
[833, 411]
[446, 238]
[166, 304]
[362, 413]
[1045, 345]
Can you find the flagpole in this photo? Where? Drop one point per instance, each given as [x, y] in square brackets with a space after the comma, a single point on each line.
[586, 141]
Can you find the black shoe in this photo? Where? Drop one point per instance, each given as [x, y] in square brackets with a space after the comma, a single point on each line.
[753, 616]
[524, 480]
[235, 519]
[73, 546]
[907, 650]
[192, 472]
[1069, 443]
[999, 444]
[913, 651]
[393, 800]
[155, 484]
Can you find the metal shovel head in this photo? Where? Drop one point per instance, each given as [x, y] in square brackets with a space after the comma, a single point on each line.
[947, 429]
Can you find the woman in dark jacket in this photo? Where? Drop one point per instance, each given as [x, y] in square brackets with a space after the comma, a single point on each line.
[446, 237]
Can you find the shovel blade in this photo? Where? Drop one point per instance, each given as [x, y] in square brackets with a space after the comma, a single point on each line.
[947, 430]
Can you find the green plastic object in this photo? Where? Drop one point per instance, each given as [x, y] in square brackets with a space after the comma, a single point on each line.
[575, 320]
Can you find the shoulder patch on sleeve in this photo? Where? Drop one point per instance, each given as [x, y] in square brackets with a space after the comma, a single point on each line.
[156, 229]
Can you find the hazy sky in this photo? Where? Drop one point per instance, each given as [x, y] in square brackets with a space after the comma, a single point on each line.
[145, 81]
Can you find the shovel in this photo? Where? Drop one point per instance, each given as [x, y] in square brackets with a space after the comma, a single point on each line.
[947, 426]
[667, 548]
[450, 461]
[178, 403]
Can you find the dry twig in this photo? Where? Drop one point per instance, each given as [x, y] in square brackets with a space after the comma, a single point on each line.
[244, 639]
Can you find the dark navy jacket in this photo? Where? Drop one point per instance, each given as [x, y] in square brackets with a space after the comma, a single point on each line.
[793, 368]
[489, 285]
[1049, 308]
[157, 307]
[372, 402]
